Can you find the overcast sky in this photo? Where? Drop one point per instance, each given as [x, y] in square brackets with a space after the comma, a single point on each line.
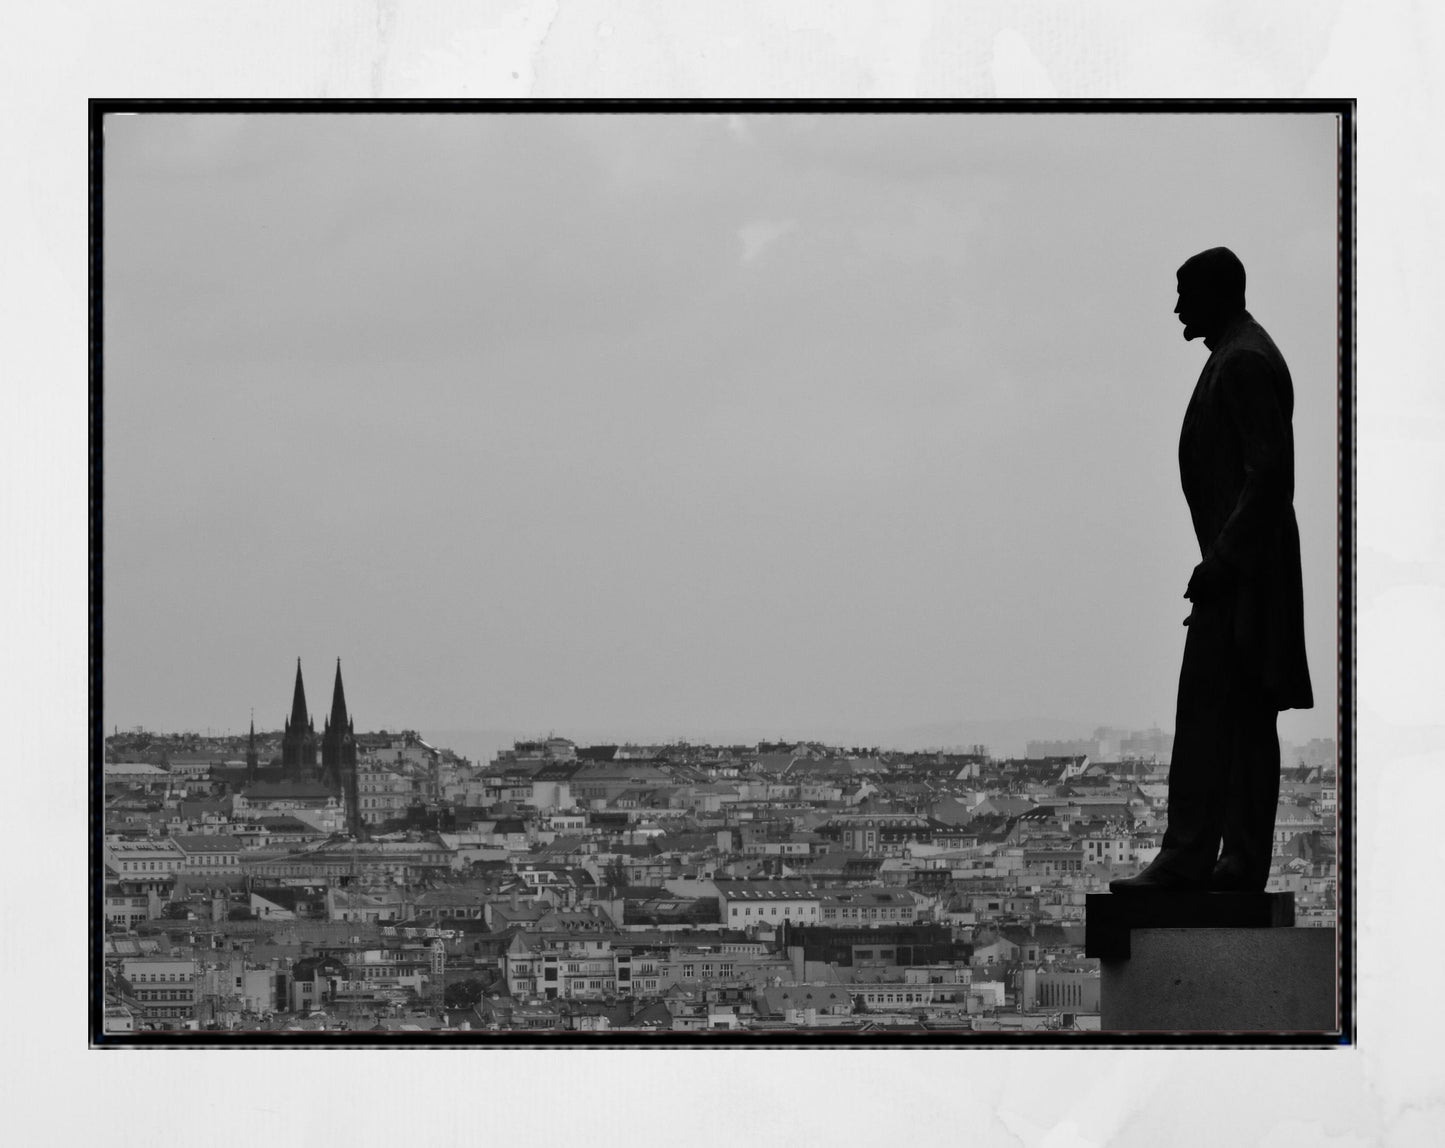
[678, 425]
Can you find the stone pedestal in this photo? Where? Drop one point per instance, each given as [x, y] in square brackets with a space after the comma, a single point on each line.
[1111, 918]
[1210, 962]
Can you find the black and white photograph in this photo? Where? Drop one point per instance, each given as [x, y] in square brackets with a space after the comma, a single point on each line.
[721, 574]
[567, 558]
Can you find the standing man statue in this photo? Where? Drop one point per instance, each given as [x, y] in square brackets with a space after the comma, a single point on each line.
[1244, 656]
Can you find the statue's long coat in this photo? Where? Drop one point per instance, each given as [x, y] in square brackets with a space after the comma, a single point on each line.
[1236, 464]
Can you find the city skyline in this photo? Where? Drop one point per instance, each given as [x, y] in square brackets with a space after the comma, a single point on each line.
[683, 424]
[1025, 738]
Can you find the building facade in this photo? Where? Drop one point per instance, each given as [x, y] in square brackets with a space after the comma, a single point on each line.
[163, 988]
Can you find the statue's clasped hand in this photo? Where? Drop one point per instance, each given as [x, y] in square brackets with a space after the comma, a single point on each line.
[1208, 583]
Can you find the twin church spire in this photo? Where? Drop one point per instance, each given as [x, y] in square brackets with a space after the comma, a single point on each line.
[337, 745]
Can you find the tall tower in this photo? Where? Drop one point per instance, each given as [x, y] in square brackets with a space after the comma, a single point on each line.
[338, 755]
[298, 741]
[253, 763]
[338, 742]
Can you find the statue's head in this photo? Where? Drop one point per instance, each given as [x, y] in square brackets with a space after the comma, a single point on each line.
[1211, 291]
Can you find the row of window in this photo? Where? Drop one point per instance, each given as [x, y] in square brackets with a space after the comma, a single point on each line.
[787, 910]
[900, 913]
[688, 971]
[200, 862]
[163, 994]
[322, 868]
[357, 986]
[1065, 994]
[708, 971]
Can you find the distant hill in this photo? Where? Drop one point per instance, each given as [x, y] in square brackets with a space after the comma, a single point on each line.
[1004, 738]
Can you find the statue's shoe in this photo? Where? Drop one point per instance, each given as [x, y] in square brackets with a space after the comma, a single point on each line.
[1230, 878]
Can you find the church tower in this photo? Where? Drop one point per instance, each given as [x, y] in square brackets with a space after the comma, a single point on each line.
[338, 740]
[253, 763]
[298, 741]
[338, 755]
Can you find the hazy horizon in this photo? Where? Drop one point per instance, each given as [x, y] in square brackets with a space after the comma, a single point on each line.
[801, 424]
[1000, 738]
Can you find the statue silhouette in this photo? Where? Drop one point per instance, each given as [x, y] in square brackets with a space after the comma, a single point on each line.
[1244, 655]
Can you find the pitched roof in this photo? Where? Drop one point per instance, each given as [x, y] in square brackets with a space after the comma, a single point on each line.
[285, 823]
[766, 890]
[134, 769]
[639, 892]
[1048, 936]
[203, 843]
[805, 996]
[869, 896]
[1004, 804]
[557, 771]
[286, 789]
[284, 898]
[1293, 813]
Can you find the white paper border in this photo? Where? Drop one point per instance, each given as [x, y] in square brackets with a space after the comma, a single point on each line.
[1389, 1090]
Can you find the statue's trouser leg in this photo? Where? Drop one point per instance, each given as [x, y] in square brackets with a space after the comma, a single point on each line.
[1204, 744]
[1253, 789]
